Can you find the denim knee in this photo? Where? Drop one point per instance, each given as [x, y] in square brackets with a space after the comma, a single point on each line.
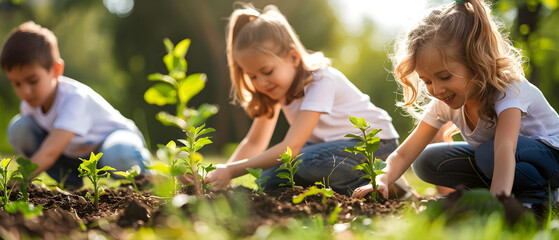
[25, 135]
[122, 150]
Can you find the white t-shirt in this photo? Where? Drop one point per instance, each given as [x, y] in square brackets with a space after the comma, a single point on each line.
[79, 109]
[332, 94]
[538, 121]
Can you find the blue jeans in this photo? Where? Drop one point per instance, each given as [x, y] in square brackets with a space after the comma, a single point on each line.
[121, 150]
[328, 162]
[453, 164]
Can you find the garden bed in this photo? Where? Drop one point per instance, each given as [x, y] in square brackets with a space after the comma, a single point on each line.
[121, 211]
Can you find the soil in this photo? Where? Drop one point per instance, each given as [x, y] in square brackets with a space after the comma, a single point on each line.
[70, 215]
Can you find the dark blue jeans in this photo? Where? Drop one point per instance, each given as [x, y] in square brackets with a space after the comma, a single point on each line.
[453, 164]
[327, 161]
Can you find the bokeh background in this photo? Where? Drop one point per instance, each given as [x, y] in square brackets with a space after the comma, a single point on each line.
[112, 45]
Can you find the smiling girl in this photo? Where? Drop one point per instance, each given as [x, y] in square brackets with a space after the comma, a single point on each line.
[475, 80]
[272, 71]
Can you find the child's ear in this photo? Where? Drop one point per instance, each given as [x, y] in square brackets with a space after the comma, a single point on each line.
[58, 68]
[294, 58]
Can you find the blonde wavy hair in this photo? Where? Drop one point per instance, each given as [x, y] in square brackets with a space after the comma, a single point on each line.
[250, 29]
[466, 33]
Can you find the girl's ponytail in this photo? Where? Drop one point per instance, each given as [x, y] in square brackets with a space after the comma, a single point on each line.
[493, 60]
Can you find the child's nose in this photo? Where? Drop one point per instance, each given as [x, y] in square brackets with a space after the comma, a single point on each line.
[438, 88]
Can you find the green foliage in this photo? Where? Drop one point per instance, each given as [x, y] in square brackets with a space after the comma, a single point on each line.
[7, 176]
[88, 168]
[25, 174]
[314, 190]
[367, 146]
[259, 181]
[27, 209]
[129, 175]
[178, 88]
[291, 165]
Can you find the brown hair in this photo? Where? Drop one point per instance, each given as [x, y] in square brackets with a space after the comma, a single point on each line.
[248, 28]
[28, 44]
[466, 33]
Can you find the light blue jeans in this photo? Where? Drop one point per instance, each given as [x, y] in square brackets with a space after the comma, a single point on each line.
[453, 164]
[121, 150]
[327, 161]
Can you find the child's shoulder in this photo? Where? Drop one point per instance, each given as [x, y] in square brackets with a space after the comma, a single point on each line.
[69, 85]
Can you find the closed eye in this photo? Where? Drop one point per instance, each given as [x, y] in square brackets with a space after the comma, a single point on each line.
[268, 73]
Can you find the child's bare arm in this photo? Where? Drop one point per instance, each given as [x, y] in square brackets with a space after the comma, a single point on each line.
[51, 149]
[506, 138]
[258, 137]
[295, 138]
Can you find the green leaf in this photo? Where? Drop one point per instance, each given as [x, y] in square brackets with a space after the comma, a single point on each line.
[358, 167]
[372, 147]
[284, 175]
[106, 168]
[255, 172]
[163, 78]
[363, 123]
[161, 94]
[354, 121]
[354, 136]
[373, 132]
[181, 48]
[6, 162]
[311, 191]
[122, 174]
[206, 131]
[27, 209]
[169, 59]
[201, 142]
[160, 167]
[191, 86]
[179, 168]
[168, 45]
[170, 120]
[379, 164]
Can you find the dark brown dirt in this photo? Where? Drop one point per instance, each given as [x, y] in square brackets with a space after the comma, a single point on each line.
[69, 214]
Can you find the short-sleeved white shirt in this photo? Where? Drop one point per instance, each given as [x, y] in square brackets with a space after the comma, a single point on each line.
[538, 119]
[332, 94]
[79, 109]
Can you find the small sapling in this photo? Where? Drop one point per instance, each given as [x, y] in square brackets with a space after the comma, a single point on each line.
[291, 165]
[88, 168]
[25, 176]
[129, 175]
[257, 173]
[367, 146]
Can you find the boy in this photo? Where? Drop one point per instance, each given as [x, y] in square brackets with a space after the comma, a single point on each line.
[62, 120]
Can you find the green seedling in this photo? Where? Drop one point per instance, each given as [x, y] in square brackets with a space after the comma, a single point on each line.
[25, 175]
[291, 166]
[259, 181]
[27, 209]
[129, 175]
[178, 88]
[367, 146]
[315, 190]
[7, 176]
[88, 168]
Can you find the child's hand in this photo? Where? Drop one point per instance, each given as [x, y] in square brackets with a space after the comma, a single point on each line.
[220, 177]
[185, 179]
[362, 191]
